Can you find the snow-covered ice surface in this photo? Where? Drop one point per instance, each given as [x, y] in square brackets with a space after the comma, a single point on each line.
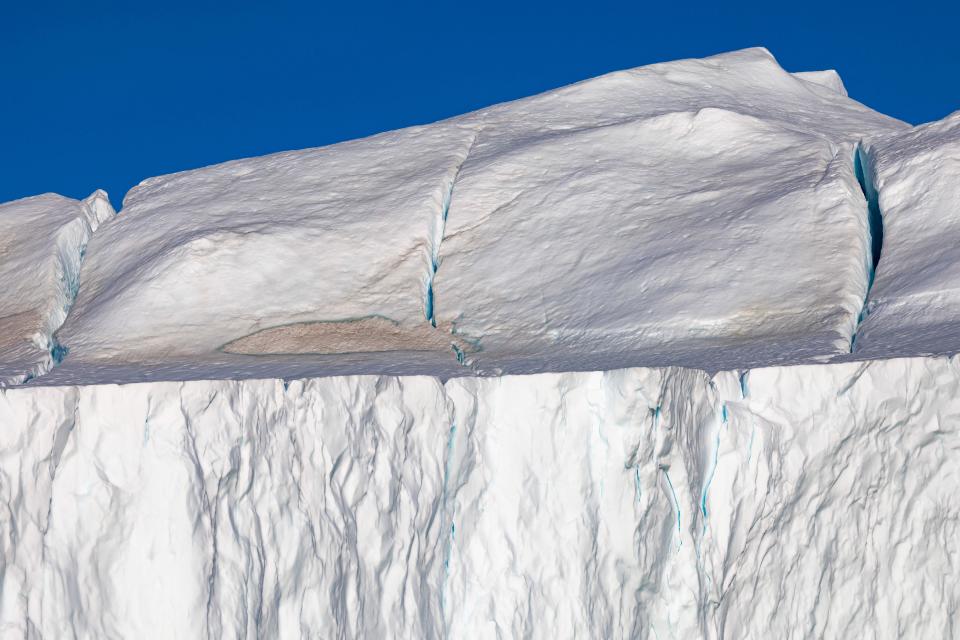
[708, 270]
[42, 244]
[794, 502]
[703, 213]
[914, 305]
[289, 254]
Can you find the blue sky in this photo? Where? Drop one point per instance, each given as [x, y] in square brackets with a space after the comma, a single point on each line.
[103, 95]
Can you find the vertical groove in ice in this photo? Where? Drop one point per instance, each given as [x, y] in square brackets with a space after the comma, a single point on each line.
[439, 231]
[865, 178]
[70, 248]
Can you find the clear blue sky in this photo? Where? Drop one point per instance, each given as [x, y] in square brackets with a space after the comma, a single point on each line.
[98, 95]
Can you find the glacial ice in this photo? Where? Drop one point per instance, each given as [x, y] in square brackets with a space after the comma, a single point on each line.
[637, 503]
[915, 301]
[41, 249]
[666, 204]
[318, 240]
[627, 359]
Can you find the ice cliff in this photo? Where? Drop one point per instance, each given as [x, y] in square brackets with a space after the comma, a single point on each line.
[663, 354]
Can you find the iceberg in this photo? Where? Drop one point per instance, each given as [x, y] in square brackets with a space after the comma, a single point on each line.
[668, 353]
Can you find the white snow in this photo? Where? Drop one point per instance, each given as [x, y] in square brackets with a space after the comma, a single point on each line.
[829, 79]
[694, 213]
[340, 235]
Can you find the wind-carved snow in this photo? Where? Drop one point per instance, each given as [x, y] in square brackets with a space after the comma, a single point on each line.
[226, 270]
[669, 275]
[828, 79]
[665, 209]
[619, 221]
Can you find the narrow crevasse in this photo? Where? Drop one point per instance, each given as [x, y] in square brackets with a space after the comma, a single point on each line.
[437, 240]
[70, 248]
[864, 174]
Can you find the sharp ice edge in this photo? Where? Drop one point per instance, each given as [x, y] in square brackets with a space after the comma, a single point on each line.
[71, 248]
[865, 178]
[437, 240]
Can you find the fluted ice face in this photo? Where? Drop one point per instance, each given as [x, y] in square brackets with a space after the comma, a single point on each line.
[223, 509]
[788, 502]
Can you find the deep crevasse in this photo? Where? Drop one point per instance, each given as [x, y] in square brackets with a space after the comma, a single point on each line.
[539, 506]
[46, 238]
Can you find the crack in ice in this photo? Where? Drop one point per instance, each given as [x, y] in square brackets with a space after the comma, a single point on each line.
[865, 178]
[439, 233]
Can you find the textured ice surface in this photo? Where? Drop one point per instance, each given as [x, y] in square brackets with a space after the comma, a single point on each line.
[223, 509]
[701, 213]
[812, 501]
[330, 237]
[41, 247]
[829, 79]
[914, 304]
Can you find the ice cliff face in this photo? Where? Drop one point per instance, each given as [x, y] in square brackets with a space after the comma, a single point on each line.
[811, 501]
[272, 403]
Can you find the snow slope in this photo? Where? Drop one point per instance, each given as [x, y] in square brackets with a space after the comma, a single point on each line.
[41, 248]
[796, 502]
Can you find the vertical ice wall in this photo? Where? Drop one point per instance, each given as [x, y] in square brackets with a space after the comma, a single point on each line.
[222, 509]
[814, 501]
[576, 508]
